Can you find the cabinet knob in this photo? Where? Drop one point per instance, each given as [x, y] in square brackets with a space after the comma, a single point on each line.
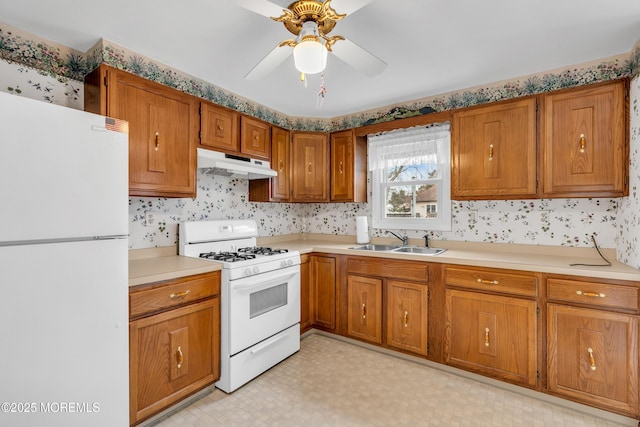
[281, 166]
[220, 128]
[487, 282]
[179, 357]
[592, 359]
[591, 294]
[179, 294]
[583, 142]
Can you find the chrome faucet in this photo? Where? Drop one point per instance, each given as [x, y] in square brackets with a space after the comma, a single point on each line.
[405, 239]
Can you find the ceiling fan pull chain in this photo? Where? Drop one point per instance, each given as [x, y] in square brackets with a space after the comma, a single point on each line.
[322, 92]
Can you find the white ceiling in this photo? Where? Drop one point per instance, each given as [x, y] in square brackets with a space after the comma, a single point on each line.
[431, 46]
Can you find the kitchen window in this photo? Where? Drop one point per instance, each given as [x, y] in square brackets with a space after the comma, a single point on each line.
[410, 176]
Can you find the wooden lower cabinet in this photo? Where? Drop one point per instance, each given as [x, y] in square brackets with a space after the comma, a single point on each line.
[592, 357]
[493, 335]
[324, 292]
[364, 309]
[173, 352]
[407, 316]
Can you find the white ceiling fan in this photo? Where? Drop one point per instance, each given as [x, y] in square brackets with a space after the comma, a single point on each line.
[311, 21]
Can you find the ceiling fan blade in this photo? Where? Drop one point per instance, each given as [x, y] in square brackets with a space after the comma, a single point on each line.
[263, 7]
[269, 62]
[348, 6]
[358, 58]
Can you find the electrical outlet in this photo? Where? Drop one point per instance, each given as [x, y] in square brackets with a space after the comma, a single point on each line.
[473, 216]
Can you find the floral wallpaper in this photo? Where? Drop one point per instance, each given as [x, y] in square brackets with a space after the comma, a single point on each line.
[41, 70]
[628, 232]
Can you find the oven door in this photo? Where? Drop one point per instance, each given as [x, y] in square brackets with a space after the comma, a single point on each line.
[262, 305]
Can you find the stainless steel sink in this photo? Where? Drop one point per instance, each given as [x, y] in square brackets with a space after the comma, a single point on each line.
[375, 247]
[395, 248]
[420, 250]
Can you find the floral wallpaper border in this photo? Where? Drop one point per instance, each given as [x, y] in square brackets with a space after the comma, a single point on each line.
[65, 63]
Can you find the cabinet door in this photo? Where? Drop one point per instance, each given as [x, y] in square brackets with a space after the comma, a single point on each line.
[162, 123]
[324, 292]
[172, 355]
[493, 335]
[584, 142]
[407, 316]
[306, 318]
[342, 175]
[494, 151]
[255, 138]
[218, 128]
[592, 356]
[281, 162]
[310, 167]
[364, 306]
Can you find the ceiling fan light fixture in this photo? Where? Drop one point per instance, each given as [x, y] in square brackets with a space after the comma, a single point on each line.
[310, 55]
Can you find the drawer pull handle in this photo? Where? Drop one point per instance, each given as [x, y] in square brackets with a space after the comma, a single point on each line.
[486, 337]
[490, 151]
[157, 141]
[363, 311]
[583, 142]
[405, 319]
[487, 282]
[309, 168]
[281, 166]
[179, 357]
[180, 294]
[592, 360]
[591, 294]
[340, 168]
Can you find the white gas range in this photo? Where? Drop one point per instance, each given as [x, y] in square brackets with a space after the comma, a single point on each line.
[260, 304]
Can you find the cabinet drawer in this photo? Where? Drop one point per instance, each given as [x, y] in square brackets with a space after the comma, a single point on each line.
[492, 280]
[593, 293]
[391, 269]
[173, 293]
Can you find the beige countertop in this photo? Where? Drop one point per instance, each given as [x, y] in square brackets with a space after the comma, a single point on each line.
[158, 264]
[545, 259]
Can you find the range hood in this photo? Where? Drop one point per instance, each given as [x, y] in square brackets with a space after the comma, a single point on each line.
[231, 165]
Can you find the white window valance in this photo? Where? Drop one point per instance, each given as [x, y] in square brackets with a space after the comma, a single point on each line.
[421, 144]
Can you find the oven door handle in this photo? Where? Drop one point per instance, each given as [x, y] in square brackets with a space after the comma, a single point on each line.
[266, 344]
[270, 282]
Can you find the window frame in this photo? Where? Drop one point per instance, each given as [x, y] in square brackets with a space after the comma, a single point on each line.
[379, 186]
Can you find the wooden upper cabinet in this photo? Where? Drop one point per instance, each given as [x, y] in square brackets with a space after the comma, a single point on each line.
[494, 151]
[162, 130]
[218, 128]
[348, 167]
[584, 147]
[310, 152]
[278, 188]
[255, 138]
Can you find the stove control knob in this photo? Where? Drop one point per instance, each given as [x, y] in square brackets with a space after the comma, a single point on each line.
[256, 270]
[283, 263]
[247, 272]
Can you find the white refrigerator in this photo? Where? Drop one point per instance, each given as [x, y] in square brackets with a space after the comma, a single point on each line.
[64, 348]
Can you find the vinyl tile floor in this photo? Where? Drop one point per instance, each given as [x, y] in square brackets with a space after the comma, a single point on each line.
[330, 382]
